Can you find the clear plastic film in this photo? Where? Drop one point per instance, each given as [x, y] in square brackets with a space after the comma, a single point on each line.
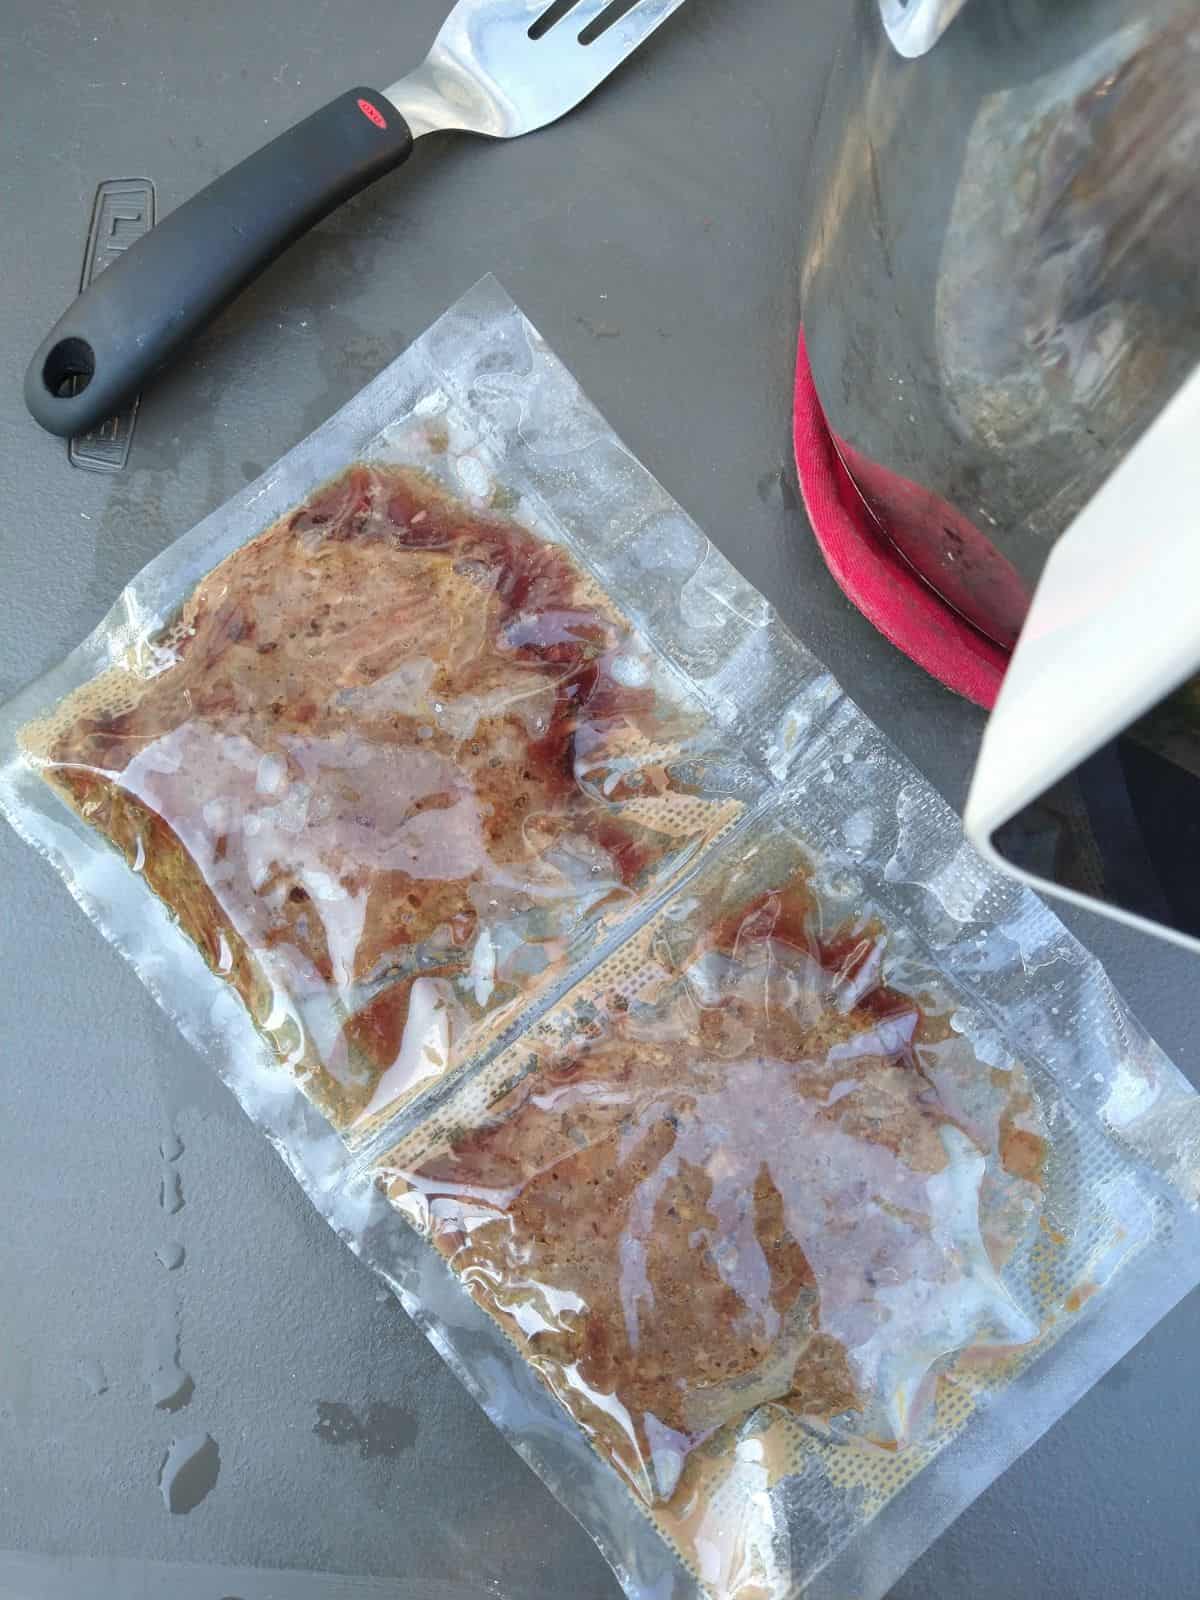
[771, 1170]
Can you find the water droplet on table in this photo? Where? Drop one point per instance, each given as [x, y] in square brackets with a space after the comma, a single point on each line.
[170, 1255]
[171, 1147]
[171, 1389]
[170, 1191]
[93, 1376]
[170, 1386]
[189, 1472]
[380, 1430]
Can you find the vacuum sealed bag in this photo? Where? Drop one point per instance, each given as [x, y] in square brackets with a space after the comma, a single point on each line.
[771, 1171]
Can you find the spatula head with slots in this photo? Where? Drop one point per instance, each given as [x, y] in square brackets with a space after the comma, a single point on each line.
[506, 67]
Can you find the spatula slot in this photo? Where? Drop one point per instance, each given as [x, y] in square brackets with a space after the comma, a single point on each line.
[551, 15]
[608, 17]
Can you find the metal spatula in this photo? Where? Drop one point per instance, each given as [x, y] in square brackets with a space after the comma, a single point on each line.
[498, 67]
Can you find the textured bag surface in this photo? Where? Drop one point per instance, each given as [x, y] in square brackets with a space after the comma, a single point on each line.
[771, 1171]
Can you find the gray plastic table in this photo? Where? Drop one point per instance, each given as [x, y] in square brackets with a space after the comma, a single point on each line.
[654, 239]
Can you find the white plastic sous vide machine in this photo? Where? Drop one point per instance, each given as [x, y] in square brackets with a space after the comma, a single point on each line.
[999, 302]
[1100, 707]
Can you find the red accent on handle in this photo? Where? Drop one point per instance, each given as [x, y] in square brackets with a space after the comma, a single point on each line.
[372, 113]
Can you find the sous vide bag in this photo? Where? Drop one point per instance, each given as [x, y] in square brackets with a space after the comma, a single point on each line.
[771, 1171]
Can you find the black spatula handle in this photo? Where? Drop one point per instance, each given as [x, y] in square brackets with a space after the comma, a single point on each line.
[177, 277]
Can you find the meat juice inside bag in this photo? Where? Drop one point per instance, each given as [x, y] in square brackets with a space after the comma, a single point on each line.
[751, 1195]
[771, 1170]
[391, 758]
